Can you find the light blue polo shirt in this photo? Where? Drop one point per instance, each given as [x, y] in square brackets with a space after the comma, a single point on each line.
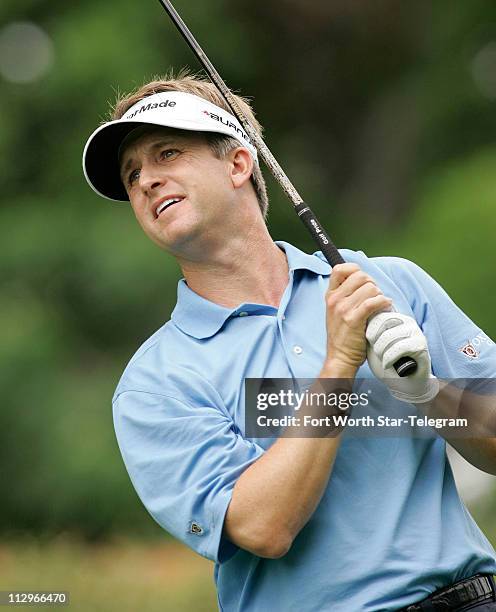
[390, 528]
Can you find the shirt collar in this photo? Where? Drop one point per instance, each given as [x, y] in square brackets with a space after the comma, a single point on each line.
[201, 318]
[298, 260]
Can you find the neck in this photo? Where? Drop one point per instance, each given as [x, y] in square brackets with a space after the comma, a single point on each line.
[246, 268]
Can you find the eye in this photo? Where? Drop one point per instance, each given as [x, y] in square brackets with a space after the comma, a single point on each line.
[168, 153]
[133, 176]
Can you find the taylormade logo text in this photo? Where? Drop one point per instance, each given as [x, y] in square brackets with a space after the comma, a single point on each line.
[147, 107]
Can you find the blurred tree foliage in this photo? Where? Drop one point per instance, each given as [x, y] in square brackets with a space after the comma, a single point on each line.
[383, 115]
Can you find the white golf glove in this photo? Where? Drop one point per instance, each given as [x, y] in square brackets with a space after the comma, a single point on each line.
[390, 336]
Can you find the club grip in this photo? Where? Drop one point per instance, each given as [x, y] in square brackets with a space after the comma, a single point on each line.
[318, 233]
[405, 366]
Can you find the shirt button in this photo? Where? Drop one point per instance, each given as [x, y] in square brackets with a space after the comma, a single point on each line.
[297, 350]
[283, 317]
[243, 314]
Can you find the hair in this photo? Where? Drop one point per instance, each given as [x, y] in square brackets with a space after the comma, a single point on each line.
[198, 85]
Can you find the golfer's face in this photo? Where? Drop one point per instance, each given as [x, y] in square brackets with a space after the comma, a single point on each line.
[176, 186]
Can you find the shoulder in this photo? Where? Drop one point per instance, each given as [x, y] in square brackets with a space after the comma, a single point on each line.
[152, 364]
[162, 366]
[397, 269]
[141, 372]
[411, 287]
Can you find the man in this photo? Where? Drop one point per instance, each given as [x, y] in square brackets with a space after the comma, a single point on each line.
[337, 523]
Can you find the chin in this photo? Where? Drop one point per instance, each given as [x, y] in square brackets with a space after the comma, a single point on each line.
[179, 240]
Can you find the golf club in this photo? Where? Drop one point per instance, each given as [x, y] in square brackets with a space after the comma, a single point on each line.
[405, 365]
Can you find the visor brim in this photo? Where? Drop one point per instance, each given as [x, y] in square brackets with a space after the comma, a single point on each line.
[101, 161]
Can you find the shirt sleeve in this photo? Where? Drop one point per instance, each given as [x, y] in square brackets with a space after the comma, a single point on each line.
[183, 461]
[458, 347]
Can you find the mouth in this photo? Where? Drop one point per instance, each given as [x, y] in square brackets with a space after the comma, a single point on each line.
[166, 203]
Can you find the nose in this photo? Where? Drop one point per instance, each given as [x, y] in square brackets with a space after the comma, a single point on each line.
[150, 177]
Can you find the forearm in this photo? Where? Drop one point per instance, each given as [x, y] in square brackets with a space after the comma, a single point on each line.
[476, 442]
[480, 452]
[274, 498]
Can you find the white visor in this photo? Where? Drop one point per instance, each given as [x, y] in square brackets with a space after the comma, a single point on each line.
[174, 109]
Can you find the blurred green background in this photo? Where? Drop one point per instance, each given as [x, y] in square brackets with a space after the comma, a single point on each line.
[383, 115]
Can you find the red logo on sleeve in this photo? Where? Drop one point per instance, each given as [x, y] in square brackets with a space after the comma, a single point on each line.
[469, 351]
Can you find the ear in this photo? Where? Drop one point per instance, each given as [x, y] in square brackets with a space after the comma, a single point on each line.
[241, 166]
